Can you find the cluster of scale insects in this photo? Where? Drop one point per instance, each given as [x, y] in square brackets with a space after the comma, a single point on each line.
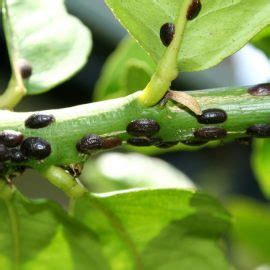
[15, 149]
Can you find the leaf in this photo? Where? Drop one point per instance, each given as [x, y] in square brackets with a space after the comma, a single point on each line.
[215, 34]
[260, 162]
[262, 41]
[127, 70]
[138, 228]
[250, 234]
[112, 171]
[40, 235]
[53, 42]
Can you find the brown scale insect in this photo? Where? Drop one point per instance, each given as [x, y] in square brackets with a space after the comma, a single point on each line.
[89, 143]
[11, 138]
[212, 116]
[143, 127]
[260, 90]
[111, 142]
[164, 145]
[259, 131]
[194, 9]
[210, 133]
[167, 32]
[140, 141]
[35, 147]
[25, 68]
[37, 120]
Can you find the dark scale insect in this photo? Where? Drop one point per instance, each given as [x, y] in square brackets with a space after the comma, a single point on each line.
[89, 143]
[11, 138]
[144, 141]
[25, 68]
[39, 120]
[210, 133]
[35, 147]
[194, 9]
[212, 116]
[4, 153]
[143, 127]
[111, 142]
[260, 90]
[167, 32]
[194, 142]
[164, 145]
[17, 156]
[140, 141]
[259, 131]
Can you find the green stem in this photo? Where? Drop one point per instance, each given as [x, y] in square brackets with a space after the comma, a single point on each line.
[110, 118]
[64, 181]
[12, 95]
[167, 69]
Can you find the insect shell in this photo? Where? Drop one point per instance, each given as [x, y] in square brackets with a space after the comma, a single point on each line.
[259, 131]
[35, 147]
[260, 90]
[11, 138]
[111, 142]
[210, 133]
[167, 32]
[36, 120]
[25, 68]
[17, 156]
[89, 143]
[143, 127]
[212, 116]
[194, 9]
[4, 153]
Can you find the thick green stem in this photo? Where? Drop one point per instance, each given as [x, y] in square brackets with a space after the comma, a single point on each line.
[64, 181]
[110, 118]
[167, 69]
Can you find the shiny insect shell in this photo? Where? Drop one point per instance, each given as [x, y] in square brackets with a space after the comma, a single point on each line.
[143, 127]
[212, 116]
[37, 120]
[167, 32]
[11, 138]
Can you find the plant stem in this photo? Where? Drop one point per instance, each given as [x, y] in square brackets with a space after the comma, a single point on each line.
[110, 118]
[167, 69]
[64, 181]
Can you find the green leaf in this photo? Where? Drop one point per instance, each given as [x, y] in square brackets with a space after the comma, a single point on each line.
[250, 235]
[262, 41]
[40, 235]
[55, 43]
[112, 171]
[260, 162]
[215, 34]
[155, 229]
[127, 70]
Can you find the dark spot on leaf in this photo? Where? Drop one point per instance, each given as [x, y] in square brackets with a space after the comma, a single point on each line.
[140, 141]
[25, 68]
[167, 32]
[194, 9]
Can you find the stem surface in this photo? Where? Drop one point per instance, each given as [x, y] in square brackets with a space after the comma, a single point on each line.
[110, 118]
